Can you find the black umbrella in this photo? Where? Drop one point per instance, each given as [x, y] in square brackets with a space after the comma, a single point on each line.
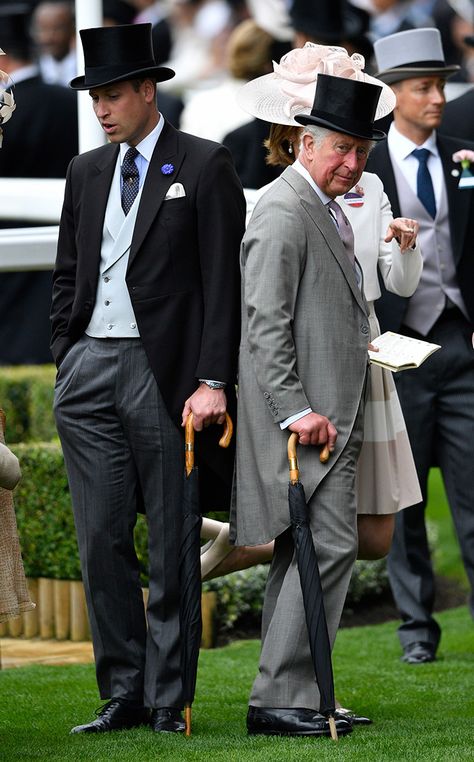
[190, 569]
[311, 586]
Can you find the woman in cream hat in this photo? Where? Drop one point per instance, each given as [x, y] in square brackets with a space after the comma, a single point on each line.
[387, 480]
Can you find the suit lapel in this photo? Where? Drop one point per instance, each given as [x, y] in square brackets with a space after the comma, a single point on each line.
[94, 202]
[320, 216]
[157, 183]
[458, 200]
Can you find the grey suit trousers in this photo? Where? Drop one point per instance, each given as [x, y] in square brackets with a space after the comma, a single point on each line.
[438, 405]
[286, 676]
[122, 450]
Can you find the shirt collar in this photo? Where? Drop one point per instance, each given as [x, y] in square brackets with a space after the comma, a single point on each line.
[24, 72]
[298, 167]
[146, 146]
[401, 147]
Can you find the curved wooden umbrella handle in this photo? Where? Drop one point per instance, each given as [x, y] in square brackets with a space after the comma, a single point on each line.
[224, 441]
[293, 460]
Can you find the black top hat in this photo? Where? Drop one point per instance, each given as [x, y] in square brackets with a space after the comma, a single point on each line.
[345, 105]
[328, 21]
[15, 37]
[117, 53]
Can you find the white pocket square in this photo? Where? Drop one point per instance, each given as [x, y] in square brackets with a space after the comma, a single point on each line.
[175, 191]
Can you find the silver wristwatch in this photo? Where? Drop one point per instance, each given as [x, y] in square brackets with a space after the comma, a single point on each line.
[212, 384]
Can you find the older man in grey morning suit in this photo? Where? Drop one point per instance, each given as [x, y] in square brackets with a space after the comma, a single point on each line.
[303, 365]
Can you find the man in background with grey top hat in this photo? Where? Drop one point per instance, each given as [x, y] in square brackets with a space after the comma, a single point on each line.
[305, 322]
[145, 329]
[421, 180]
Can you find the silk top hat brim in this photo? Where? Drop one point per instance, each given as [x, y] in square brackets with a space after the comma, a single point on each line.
[345, 105]
[118, 53]
[410, 54]
[391, 76]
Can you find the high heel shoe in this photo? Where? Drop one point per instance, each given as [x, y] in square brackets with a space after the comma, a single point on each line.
[218, 548]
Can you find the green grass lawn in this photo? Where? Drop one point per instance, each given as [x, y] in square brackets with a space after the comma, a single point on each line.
[424, 712]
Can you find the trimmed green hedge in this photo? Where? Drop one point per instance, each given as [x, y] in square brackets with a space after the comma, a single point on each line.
[48, 541]
[44, 514]
[26, 396]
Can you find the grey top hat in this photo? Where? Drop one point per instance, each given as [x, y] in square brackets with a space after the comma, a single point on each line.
[414, 53]
[117, 53]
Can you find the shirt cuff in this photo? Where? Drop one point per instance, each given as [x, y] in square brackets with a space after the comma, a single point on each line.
[293, 418]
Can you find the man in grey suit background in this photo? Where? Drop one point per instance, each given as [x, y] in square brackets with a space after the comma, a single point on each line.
[302, 368]
[421, 179]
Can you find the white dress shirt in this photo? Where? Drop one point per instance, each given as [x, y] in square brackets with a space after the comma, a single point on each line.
[401, 152]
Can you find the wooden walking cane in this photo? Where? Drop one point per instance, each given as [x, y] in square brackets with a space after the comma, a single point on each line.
[311, 588]
[190, 607]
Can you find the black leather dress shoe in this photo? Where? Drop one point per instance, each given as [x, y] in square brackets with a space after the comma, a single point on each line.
[352, 717]
[116, 714]
[419, 653]
[291, 722]
[167, 720]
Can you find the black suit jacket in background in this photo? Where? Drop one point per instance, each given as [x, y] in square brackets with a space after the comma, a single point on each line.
[247, 149]
[458, 117]
[42, 136]
[39, 141]
[391, 308]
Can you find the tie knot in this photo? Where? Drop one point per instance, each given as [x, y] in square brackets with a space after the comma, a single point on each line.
[422, 154]
[339, 214]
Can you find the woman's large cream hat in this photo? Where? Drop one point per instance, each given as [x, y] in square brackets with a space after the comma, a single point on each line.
[289, 90]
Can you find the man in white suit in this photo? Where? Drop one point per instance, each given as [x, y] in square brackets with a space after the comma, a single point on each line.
[303, 367]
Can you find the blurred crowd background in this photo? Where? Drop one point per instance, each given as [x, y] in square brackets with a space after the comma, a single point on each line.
[214, 46]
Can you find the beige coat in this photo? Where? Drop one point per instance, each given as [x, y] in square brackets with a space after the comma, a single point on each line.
[14, 597]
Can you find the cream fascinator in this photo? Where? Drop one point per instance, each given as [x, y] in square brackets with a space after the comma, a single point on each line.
[290, 89]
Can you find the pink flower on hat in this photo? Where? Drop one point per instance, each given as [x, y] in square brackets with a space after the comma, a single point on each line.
[299, 68]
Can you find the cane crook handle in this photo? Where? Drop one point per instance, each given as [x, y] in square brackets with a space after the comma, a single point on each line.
[189, 444]
[224, 441]
[293, 460]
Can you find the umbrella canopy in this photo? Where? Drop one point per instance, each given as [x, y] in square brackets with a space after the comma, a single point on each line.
[190, 569]
[311, 586]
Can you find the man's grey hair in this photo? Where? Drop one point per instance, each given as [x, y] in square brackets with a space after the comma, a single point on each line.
[319, 134]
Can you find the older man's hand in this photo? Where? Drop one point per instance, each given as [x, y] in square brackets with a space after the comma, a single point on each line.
[404, 230]
[315, 429]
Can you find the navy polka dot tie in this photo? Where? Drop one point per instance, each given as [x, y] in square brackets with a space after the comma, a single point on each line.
[130, 179]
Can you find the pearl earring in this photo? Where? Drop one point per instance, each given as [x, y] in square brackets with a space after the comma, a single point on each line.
[290, 148]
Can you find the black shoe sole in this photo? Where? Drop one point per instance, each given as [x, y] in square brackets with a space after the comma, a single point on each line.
[290, 733]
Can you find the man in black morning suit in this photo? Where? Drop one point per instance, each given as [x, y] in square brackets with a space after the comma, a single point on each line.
[419, 175]
[145, 329]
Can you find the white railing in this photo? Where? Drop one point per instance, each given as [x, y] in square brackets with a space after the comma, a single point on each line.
[37, 201]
